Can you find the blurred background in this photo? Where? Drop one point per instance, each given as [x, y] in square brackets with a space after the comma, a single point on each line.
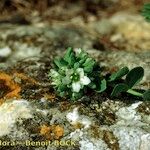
[42, 26]
[25, 11]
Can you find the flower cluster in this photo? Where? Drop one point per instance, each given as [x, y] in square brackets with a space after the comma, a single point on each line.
[74, 73]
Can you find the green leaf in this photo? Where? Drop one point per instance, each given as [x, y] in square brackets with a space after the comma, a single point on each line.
[81, 61]
[92, 85]
[119, 74]
[88, 61]
[102, 87]
[134, 76]
[82, 55]
[61, 94]
[146, 95]
[88, 65]
[76, 96]
[146, 11]
[59, 62]
[76, 65]
[121, 87]
[70, 56]
[135, 93]
[61, 88]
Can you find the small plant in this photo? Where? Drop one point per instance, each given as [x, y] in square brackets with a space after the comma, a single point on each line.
[146, 11]
[76, 73]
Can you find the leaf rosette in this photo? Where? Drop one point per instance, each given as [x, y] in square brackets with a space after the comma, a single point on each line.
[74, 74]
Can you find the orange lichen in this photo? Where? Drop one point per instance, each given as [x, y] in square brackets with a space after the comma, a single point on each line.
[45, 131]
[14, 88]
[52, 132]
[58, 132]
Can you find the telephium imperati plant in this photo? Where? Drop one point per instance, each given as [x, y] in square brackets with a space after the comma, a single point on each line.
[76, 73]
[146, 11]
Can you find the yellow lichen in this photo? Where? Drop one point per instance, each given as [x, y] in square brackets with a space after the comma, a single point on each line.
[52, 132]
[46, 131]
[58, 132]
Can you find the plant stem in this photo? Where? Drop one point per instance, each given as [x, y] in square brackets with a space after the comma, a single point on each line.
[133, 92]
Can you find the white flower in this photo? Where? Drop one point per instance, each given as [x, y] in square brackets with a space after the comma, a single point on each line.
[54, 73]
[77, 51]
[76, 86]
[55, 77]
[83, 80]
